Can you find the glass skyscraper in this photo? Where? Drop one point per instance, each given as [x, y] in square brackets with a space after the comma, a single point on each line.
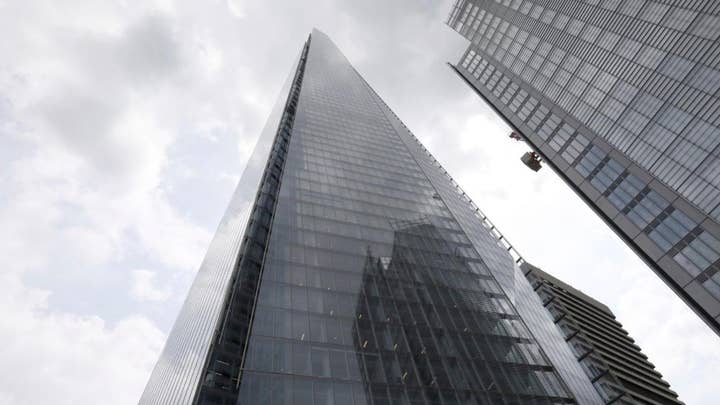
[349, 268]
[621, 99]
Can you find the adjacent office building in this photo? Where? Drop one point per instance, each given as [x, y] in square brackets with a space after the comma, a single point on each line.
[349, 268]
[621, 99]
[620, 372]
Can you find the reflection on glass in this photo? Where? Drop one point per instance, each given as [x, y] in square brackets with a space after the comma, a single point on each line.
[357, 284]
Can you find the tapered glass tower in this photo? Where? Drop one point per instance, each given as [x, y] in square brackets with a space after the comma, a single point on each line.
[351, 269]
[621, 99]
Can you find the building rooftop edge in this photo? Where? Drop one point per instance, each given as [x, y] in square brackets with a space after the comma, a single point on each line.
[530, 267]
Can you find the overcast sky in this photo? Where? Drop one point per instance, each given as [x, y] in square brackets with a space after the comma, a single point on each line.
[124, 126]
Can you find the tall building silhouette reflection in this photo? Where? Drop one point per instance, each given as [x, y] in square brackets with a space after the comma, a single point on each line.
[427, 326]
[313, 292]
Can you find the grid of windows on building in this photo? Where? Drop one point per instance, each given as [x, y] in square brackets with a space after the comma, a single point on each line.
[620, 372]
[625, 94]
[364, 276]
[370, 290]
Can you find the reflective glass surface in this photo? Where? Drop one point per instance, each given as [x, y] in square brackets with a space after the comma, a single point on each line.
[487, 240]
[621, 97]
[371, 292]
[372, 279]
[174, 379]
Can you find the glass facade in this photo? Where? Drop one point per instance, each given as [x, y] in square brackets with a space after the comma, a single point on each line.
[365, 276]
[174, 379]
[621, 99]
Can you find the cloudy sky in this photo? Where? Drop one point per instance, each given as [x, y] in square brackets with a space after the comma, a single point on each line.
[125, 125]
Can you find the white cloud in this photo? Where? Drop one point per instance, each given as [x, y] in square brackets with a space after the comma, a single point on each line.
[121, 124]
[237, 8]
[60, 358]
[675, 340]
[144, 287]
[87, 138]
